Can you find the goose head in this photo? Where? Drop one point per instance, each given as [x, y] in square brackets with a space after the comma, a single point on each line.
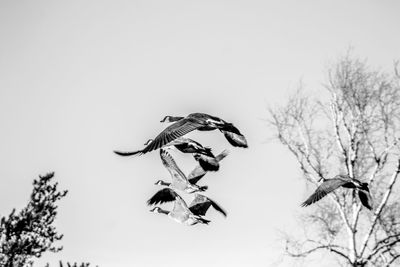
[169, 119]
[159, 210]
[161, 182]
[197, 156]
[148, 142]
[156, 210]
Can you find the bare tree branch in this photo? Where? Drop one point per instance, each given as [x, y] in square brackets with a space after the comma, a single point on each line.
[381, 206]
[361, 140]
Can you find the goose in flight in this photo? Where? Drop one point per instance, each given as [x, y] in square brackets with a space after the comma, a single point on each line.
[195, 175]
[178, 178]
[345, 181]
[187, 145]
[180, 212]
[181, 126]
[231, 133]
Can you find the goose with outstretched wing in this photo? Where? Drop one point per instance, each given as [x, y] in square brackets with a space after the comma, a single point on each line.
[231, 133]
[180, 212]
[178, 178]
[182, 126]
[344, 181]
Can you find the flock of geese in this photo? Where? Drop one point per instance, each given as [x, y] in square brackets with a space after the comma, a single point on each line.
[172, 137]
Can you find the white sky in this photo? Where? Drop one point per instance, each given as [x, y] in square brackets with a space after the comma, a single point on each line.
[79, 79]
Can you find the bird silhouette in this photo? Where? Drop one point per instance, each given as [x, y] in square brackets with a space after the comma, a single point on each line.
[182, 126]
[345, 181]
[180, 212]
[178, 178]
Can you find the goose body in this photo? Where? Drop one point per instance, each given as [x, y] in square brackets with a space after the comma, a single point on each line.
[181, 126]
[330, 185]
[180, 212]
[179, 180]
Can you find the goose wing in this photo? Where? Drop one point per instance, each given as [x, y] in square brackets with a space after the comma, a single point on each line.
[180, 206]
[187, 145]
[169, 163]
[198, 199]
[237, 140]
[201, 204]
[229, 127]
[163, 196]
[325, 188]
[195, 175]
[208, 118]
[365, 198]
[233, 135]
[199, 148]
[207, 163]
[126, 153]
[200, 209]
[222, 155]
[198, 172]
[177, 141]
[218, 208]
[172, 132]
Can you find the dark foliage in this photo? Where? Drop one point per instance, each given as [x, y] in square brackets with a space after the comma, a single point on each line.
[68, 264]
[30, 232]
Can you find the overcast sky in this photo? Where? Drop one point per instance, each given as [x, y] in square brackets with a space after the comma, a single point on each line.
[79, 79]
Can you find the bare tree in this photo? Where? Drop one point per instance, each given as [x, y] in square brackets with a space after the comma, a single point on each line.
[353, 130]
[31, 232]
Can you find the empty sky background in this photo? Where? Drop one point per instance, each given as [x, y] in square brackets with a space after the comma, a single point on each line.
[79, 79]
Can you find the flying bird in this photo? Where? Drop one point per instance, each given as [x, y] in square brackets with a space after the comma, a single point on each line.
[180, 212]
[196, 174]
[345, 181]
[183, 125]
[231, 133]
[178, 178]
